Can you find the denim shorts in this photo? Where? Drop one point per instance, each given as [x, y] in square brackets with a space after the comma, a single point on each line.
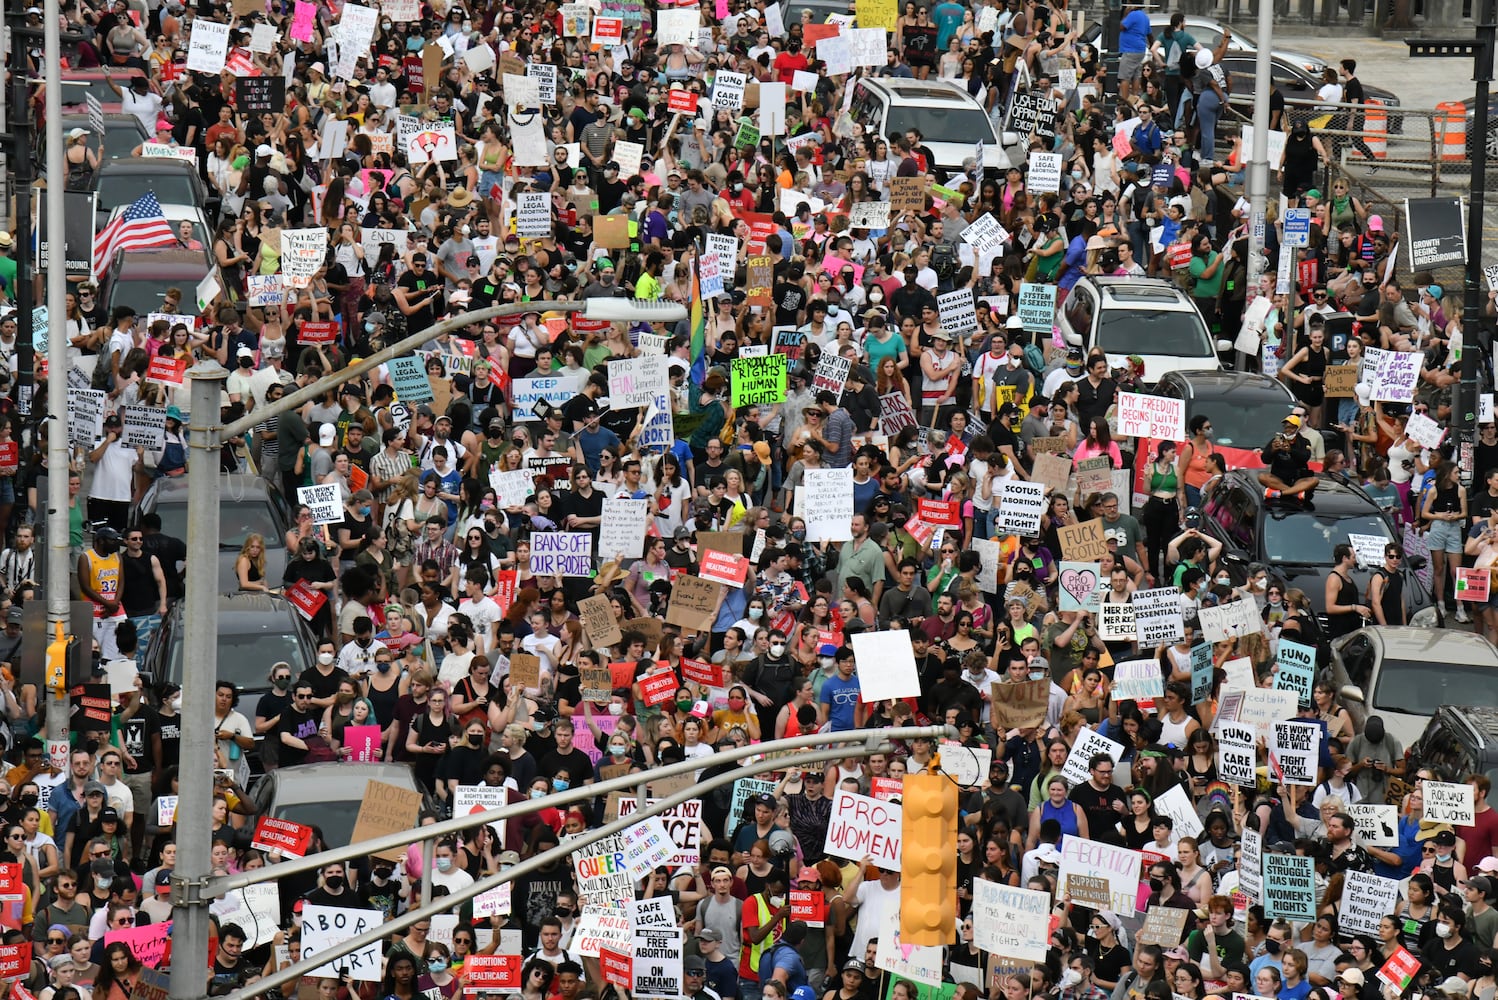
[1445, 536]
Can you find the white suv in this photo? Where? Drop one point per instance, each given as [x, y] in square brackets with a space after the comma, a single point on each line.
[1149, 317]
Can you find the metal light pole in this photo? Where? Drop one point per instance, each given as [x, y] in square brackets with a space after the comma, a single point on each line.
[58, 581]
[1258, 163]
[206, 432]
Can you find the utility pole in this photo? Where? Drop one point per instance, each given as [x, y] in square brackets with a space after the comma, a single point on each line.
[1481, 51]
[59, 584]
[1258, 162]
[1112, 25]
[205, 432]
[22, 37]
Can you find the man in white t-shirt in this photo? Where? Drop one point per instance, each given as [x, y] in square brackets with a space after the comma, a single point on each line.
[874, 902]
[357, 656]
[481, 609]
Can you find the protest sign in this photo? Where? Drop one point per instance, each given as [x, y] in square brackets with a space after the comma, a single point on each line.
[886, 665]
[1449, 802]
[1437, 232]
[1377, 825]
[1136, 680]
[1079, 586]
[1399, 971]
[207, 46]
[1037, 307]
[1396, 375]
[1011, 921]
[602, 875]
[1163, 925]
[1295, 668]
[1020, 507]
[1289, 887]
[281, 835]
[561, 553]
[1176, 804]
[1160, 417]
[759, 381]
[1230, 620]
[85, 415]
[831, 374]
[1157, 616]
[1083, 542]
[1117, 866]
[1472, 584]
[491, 973]
[861, 825]
[621, 533]
[656, 962]
[826, 496]
[1116, 622]
[1045, 172]
[1294, 752]
[635, 382]
[1087, 744]
[1019, 706]
[255, 908]
[1366, 900]
[694, 602]
[646, 846]
[959, 318]
[323, 927]
[386, 809]
[145, 427]
[1236, 757]
[895, 414]
[682, 825]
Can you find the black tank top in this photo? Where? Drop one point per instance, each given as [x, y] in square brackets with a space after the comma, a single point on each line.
[1345, 622]
[138, 593]
[1392, 599]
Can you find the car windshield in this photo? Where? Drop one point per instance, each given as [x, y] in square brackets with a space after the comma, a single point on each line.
[1419, 688]
[144, 296]
[335, 818]
[1307, 539]
[77, 92]
[1157, 332]
[171, 187]
[245, 658]
[955, 123]
[1237, 423]
[238, 520]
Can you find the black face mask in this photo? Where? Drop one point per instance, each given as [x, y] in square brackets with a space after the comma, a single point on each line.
[334, 883]
[1272, 946]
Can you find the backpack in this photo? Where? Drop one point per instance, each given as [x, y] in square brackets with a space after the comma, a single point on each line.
[1034, 359]
[102, 377]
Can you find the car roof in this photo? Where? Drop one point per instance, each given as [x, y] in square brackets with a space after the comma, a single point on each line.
[239, 613]
[1331, 497]
[147, 165]
[1422, 644]
[1131, 291]
[173, 489]
[314, 782]
[920, 91]
[1208, 383]
[165, 264]
[174, 212]
[117, 119]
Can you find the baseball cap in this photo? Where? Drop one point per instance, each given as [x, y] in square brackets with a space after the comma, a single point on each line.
[803, 992]
[693, 963]
[709, 934]
[109, 815]
[509, 858]
[93, 788]
[13, 616]
[853, 965]
[765, 799]
[325, 435]
[264, 149]
[1292, 420]
[163, 882]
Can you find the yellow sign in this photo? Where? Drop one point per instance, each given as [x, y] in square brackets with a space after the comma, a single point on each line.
[877, 14]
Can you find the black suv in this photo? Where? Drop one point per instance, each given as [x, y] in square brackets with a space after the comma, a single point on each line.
[1295, 540]
[1458, 741]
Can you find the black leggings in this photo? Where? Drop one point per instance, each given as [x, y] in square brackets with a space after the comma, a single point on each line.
[1160, 519]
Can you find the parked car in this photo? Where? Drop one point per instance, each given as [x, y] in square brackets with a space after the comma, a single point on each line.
[1458, 740]
[1295, 540]
[139, 279]
[78, 84]
[1208, 32]
[1404, 675]
[951, 123]
[327, 795]
[254, 631]
[247, 505]
[1295, 83]
[121, 182]
[1149, 317]
[201, 241]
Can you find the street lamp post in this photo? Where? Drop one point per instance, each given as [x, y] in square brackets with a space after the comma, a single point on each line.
[206, 432]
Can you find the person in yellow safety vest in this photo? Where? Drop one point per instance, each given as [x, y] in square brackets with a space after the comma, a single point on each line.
[763, 922]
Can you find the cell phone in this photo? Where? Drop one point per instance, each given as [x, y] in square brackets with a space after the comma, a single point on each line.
[223, 774]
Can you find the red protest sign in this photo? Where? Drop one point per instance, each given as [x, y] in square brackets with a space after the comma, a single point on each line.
[1179, 255]
[658, 688]
[702, 672]
[1399, 970]
[282, 835]
[10, 456]
[920, 530]
[167, 371]
[809, 906]
[608, 29]
[358, 479]
[306, 600]
[10, 881]
[814, 33]
[317, 332]
[720, 567]
[941, 513]
[486, 973]
[15, 959]
[681, 102]
[617, 969]
[506, 581]
[886, 788]
[1472, 584]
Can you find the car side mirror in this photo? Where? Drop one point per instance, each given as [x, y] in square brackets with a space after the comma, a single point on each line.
[1351, 692]
[1224, 345]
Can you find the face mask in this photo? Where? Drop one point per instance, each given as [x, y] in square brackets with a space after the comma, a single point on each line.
[799, 534]
[616, 709]
[537, 793]
[755, 614]
[280, 683]
[684, 706]
[1272, 946]
[29, 800]
[177, 703]
[383, 873]
[737, 187]
[333, 882]
[437, 965]
[1443, 858]
[444, 865]
[615, 750]
[475, 741]
[777, 649]
[383, 666]
[1157, 884]
[1036, 675]
[1226, 581]
[1443, 930]
[385, 25]
[104, 882]
[736, 704]
[364, 511]
[369, 328]
[777, 900]
[325, 658]
[559, 784]
[1092, 932]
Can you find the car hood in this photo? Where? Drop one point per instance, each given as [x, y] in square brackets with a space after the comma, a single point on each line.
[1312, 64]
[949, 155]
[1157, 365]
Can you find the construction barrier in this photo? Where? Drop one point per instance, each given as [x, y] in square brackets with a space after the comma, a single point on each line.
[1451, 124]
[1376, 129]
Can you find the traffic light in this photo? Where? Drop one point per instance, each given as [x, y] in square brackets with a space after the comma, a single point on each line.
[928, 860]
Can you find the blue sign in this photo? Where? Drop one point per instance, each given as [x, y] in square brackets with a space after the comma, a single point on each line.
[409, 377]
[1201, 672]
[1296, 666]
[1297, 227]
[1289, 887]
[1161, 175]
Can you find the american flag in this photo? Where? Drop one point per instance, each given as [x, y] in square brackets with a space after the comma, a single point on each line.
[140, 227]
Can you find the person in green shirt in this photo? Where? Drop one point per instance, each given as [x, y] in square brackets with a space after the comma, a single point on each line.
[1206, 278]
[648, 284]
[1175, 45]
[7, 264]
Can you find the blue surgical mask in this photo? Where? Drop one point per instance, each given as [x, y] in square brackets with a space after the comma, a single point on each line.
[364, 511]
[537, 793]
[383, 666]
[1443, 858]
[444, 865]
[756, 613]
[560, 784]
[437, 965]
[369, 328]
[1036, 675]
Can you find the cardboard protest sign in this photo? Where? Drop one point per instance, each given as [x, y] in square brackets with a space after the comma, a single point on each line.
[1019, 706]
[1163, 925]
[386, 809]
[694, 602]
[599, 626]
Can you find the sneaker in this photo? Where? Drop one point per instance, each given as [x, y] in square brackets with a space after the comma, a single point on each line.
[1271, 494]
[1461, 614]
